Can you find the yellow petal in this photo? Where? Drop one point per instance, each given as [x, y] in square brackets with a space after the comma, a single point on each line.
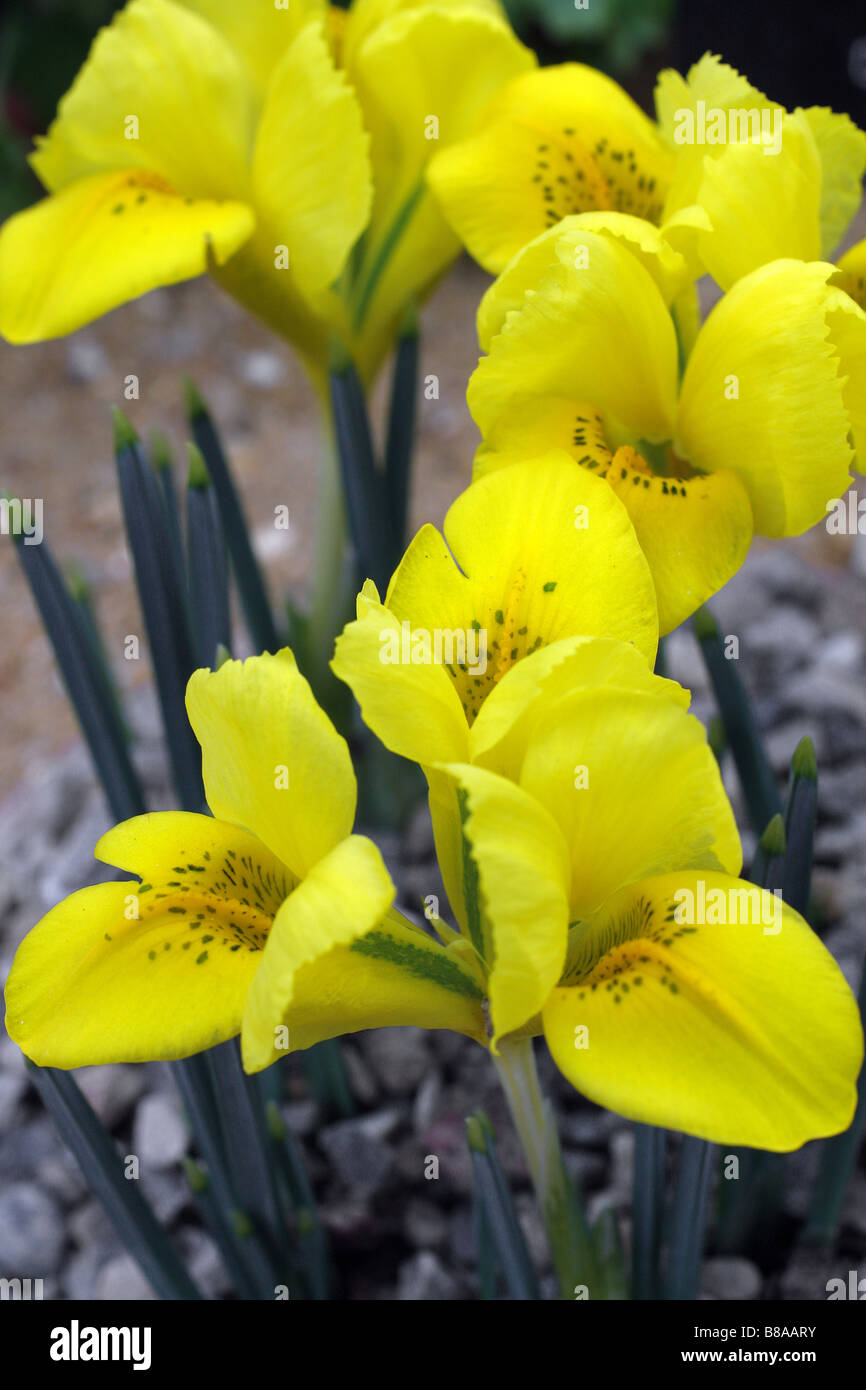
[413, 707]
[847, 322]
[272, 761]
[595, 329]
[842, 148]
[789, 446]
[311, 173]
[737, 1031]
[535, 552]
[505, 867]
[513, 711]
[393, 976]
[161, 90]
[555, 141]
[425, 63]
[719, 87]
[695, 531]
[102, 241]
[851, 273]
[134, 972]
[649, 245]
[763, 204]
[344, 896]
[259, 31]
[629, 779]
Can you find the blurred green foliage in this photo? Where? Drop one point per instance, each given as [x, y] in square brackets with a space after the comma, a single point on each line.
[609, 34]
[42, 45]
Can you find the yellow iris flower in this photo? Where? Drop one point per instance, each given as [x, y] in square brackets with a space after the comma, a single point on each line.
[759, 183]
[586, 810]
[269, 915]
[533, 554]
[758, 435]
[271, 145]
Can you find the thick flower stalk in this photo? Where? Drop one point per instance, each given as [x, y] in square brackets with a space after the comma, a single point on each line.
[280, 148]
[269, 918]
[582, 354]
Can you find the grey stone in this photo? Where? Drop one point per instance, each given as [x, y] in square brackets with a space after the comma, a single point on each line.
[160, 1136]
[262, 369]
[31, 1232]
[425, 1224]
[86, 359]
[418, 845]
[26, 1146]
[400, 1058]
[121, 1280]
[730, 1276]
[202, 1259]
[302, 1116]
[88, 1226]
[424, 1278]
[61, 1176]
[363, 1163]
[787, 636]
[780, 743]
[464, 1237]
[81, 1272]
[167, 1192]
[427, 1101]
[808, 1274]
[112, 1090]
[361, 1079]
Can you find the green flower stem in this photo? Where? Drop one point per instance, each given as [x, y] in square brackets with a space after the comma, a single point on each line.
[220, 1226]
[102, 1166]
[401, 428]
[650, 1147]
[163, 605]
[363, 483]
[689, 1219]
[754, 771]
[244, 1138]
[801, 808]
[327, 1077]
[313, 1244]
[559, 1202]
[498, 1213]
[208, 571]
[373, 269]
[85, 681]
[251, 584]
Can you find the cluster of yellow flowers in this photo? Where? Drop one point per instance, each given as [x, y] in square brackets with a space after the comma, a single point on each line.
[629, 454]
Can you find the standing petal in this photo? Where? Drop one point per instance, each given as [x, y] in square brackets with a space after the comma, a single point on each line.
[272, 761]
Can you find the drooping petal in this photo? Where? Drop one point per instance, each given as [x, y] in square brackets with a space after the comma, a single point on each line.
[595, 329]
[259, 32]
[695, 531]
[102, 241]
[311, 169]
[344, 896]
[505, 867]
[554, 141]
[413, 707]
[513, 711]
[738, 1028]
[847, 320]
[161, 90]
[789, 446]
[134, 972]
[629, 779]
[272, 761]
[393, 976]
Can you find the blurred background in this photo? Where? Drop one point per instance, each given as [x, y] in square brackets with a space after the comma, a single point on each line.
[799, 609]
